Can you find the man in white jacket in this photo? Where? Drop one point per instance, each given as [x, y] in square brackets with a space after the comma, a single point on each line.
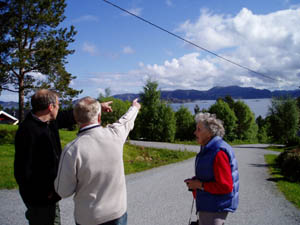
[92, 168]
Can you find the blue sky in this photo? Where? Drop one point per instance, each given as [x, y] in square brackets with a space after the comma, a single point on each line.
[117, 51]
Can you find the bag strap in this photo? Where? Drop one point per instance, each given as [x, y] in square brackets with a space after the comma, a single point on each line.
[191, 211]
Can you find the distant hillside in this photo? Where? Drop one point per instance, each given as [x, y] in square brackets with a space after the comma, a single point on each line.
[235, 92]
[9, 104]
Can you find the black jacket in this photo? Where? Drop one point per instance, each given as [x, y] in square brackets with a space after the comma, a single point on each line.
[37, 153]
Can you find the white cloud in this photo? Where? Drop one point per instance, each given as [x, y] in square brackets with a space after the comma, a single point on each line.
[86, 18]
[269, 44]
[90, 48]
[128, 50]
[135, 11]
[169, 2]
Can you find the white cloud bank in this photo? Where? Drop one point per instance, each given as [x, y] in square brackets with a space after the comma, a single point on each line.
[269, 44]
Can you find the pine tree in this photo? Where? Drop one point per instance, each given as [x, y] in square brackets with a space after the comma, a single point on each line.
[33, 48]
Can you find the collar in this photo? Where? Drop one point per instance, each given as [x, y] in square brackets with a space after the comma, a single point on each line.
[88, 127]
[38, 119]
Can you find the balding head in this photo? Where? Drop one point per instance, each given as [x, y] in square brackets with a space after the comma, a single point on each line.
[42, 99]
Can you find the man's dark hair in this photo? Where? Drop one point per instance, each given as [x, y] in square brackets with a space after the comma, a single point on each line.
[42, 99]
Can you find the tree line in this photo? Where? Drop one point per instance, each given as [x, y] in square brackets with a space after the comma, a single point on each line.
[157, 121]
[34, 44]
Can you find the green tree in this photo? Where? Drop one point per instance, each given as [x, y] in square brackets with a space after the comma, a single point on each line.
[119, 108]
[246, 128]
[34, 48]
[107, 93]
[262, 133]
[283, 117]
[226, 114]
[149, 115]
[185, 124]
[167, 124]
[196, 109]
[229, 100]
[156, 121]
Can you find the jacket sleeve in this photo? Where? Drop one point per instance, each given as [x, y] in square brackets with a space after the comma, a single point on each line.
[65, 119]
[66, 181]
[223, 183]
[125, 124]
[23, 153]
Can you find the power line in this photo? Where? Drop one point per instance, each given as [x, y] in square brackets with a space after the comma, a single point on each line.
[187, 41]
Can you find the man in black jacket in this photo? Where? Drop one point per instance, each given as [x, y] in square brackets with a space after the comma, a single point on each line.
[37, 153]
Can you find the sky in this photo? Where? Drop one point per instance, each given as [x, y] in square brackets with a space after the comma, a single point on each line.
[118, 51]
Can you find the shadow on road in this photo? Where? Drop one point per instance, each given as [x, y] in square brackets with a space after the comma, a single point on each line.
[258, 165]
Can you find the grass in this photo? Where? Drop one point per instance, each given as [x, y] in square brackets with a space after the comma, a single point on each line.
[276, 148]
[7, 179]
[235, 142]
[136, 159]
[291, 190]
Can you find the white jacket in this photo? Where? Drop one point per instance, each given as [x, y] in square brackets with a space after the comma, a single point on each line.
[92, 167]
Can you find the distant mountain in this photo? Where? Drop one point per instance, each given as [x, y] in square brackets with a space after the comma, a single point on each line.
[9, 104]
[235, 92]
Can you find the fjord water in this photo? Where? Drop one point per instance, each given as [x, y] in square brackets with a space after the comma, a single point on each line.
[258, 106]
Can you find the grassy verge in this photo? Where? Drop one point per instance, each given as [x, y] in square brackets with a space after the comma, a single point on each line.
[276, 148]
[136, 159]
[290, 190]
[235, 142]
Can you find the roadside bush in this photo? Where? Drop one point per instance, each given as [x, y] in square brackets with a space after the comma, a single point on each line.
[7, 136]
[289, 163]
[293, 141]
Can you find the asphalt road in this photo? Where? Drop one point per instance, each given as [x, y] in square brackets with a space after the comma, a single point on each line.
[159, 196]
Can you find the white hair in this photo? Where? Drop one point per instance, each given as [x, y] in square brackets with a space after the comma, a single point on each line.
[87, 110]
[214, 125]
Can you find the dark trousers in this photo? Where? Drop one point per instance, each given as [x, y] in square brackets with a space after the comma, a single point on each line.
[120, 221]
[43, 215]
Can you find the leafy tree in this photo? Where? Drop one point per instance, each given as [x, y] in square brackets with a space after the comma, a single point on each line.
[106, 95]
[119, 108]
[149, 115]
[224, 113]
[156, 119]
[262, 133]
[185, 124]
[246, 128]
[229, 100]
[33, 48]
[167, 124]
[283, 116]
[196, 109]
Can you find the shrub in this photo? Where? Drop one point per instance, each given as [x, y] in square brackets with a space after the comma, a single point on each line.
[289, 163]
[7, 136]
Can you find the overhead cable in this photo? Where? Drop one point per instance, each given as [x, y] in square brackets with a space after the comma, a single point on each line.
[191, 43]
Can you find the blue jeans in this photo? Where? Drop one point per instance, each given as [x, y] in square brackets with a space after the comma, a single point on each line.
[120, 221]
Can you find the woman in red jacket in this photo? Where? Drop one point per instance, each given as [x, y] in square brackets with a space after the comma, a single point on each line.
[216, 180]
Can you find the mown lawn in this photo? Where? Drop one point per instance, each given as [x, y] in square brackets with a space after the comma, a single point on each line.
[291, 190]
[136, 159]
